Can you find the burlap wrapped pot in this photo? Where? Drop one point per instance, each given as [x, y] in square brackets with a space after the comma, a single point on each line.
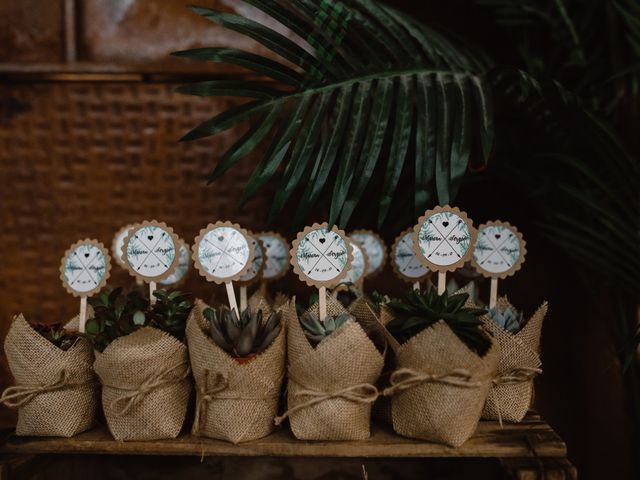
[439, 386]
[145, 385]
[237, 399]
[331, 387]
[56, 391]
[511, 394]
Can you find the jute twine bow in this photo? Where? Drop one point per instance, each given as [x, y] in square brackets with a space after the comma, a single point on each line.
[517, 375]
[19, 395]
[205, 395]
[360, 393]
[406, 378]
[121, 405]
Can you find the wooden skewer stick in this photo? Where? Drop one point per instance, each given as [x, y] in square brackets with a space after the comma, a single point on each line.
[416, 285]
[83, 314]
[232, 297]
[322, 302]
[442, 282]
[243, 297]
[493, 295]
[152, 297]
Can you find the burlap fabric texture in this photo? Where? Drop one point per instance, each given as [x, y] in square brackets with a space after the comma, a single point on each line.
[145, 385]
[511, 394]
[56, 391]
[439, 386]
[331, 387]
[236, 399]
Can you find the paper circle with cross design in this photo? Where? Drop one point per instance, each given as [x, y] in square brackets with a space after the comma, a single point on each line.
[404, 260]
[374, 248]
[222, 252]
[150, 251]
[257, 265]
[444, 238]
[118, 241]
[358, 269]
[85, 268]
[179, 275]
[277, 252]
[499, 250]
[321, 257]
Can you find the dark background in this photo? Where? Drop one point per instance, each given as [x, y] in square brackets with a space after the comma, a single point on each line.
[88, 143]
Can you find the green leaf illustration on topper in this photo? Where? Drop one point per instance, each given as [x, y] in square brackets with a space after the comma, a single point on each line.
[364, 88]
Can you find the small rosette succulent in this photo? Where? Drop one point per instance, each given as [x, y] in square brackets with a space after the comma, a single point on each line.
[242, 336]
[316, 331]
[507, 318]
[56, 334]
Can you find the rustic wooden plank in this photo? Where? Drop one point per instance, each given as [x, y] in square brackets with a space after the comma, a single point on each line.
[70, 41]
[489, 441]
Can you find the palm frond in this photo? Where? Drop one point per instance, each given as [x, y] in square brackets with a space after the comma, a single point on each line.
[363, 88]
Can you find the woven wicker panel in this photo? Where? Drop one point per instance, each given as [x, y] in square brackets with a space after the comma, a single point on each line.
[81, 160]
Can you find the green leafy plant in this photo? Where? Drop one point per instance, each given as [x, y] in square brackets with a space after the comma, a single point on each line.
[507, 318]
[347, 292]
[56, 334]
[374, 91]
[242, 337]
[115, 314]
[170, 312]
[423, 309]
[316, 331]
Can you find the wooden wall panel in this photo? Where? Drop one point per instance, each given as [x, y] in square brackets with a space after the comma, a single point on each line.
[31, 31]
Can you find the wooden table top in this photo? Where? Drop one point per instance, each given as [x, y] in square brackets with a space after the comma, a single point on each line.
[532, 437]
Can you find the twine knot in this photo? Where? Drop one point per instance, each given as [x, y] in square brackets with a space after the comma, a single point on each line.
[19, 395]
[205, 394]
[406, 378]
[133, 396]
[360, 393]
[517, 375]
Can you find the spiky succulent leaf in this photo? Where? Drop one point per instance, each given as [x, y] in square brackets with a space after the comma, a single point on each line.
[423, 309]
[316, 331]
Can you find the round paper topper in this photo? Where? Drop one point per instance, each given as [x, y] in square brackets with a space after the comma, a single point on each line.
[443, 238]
[257, 265]
[118, 241]
[358, 269]
[499, 251]
[85, 268]
[277, 252]
[149, 251]
[180, 273]
[222, 252]
[321, 257]
[374, 247]
[405, 261]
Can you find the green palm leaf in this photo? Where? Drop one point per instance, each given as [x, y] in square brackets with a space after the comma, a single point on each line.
[363, 88]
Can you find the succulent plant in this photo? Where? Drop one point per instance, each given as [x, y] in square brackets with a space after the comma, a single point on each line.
[56, 334]
[316, 331]
[170, 312]
[423, 309]
[347, 292]
[245, 336]
[115, 315]
[508, 318]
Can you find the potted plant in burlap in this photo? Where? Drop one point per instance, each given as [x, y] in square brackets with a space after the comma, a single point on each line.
[332, 369]
[141, 362]
[238, 366]
[444, 363]
[512, 388]
[56, 391]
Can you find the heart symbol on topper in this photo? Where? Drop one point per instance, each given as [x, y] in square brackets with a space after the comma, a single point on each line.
[445, 224]
[220, 238]
[86, 255]
[497, 235]
[322, 240]
[150, 237]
